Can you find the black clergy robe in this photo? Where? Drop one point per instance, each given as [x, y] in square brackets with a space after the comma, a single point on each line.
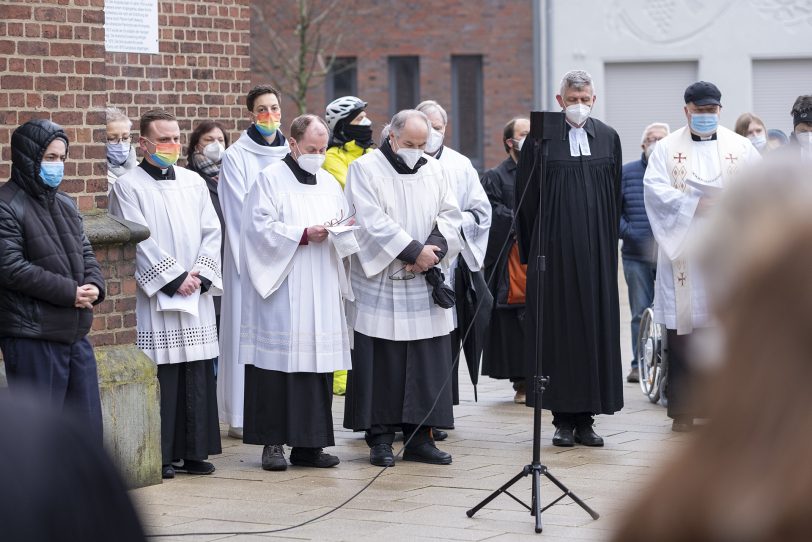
[503, 356]
[580, 203]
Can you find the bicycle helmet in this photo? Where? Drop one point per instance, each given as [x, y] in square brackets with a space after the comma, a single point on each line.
[341, 108]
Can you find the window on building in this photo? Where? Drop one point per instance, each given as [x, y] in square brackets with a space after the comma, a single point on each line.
[467, 107]
[342, 79]
[404, 83]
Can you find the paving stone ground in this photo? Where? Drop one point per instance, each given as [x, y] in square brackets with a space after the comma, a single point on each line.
[491, 443]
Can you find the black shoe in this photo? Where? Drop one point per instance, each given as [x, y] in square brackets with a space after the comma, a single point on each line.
[312, 457]
[563, 437]
[193, 466]
[682, 425]
[634, 376]
[587, 436]
[381, 455]
[427, 453]
[273, 457]
[438, 434]
[167, 472]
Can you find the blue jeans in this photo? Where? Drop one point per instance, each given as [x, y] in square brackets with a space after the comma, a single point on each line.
[640, 282]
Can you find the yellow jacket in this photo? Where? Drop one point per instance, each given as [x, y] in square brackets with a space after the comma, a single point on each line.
[338, 160]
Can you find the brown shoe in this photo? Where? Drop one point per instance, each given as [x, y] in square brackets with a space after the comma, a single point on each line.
[521, 397]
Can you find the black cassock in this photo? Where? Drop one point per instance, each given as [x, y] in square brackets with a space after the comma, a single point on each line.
[580, 203]
[503, 356]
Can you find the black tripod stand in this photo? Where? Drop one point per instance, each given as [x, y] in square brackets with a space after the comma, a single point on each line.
[543, 127]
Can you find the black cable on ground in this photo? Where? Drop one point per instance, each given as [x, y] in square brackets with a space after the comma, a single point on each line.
[448, 377]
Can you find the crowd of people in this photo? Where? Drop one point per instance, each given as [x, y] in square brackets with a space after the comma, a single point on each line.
[293, 265]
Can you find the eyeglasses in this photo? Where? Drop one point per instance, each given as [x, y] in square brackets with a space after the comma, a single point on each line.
[119, 139]
[340, 220]
[405, 275]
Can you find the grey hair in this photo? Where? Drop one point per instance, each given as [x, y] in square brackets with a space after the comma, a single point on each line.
[114, 114]
[384, 134]
[427, 106]
[577, 79]
[398, 122]
[652, 126]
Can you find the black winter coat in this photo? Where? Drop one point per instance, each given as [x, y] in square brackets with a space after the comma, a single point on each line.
[44, 253]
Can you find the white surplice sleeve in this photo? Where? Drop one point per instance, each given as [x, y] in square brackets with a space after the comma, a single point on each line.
[268, 244]
[449, 219]
[476, 220]
[208, 263]
[669, 210]
[380, 238]
[154, 268]
[231, 191]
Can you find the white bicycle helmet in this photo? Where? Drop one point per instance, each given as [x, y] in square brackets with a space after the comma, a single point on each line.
[341, 108]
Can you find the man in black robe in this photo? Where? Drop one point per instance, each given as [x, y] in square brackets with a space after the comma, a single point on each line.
[580, 202]
[503, 357]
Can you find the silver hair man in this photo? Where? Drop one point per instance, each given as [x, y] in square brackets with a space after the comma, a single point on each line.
[398, 122]
[655, 126]
[427, 106]
[577, 79]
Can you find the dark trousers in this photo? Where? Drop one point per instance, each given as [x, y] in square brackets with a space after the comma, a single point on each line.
[679, 385]
[65, 373]
[573, 419]
[385, 434]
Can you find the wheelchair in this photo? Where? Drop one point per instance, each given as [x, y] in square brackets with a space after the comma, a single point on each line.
[652, 357]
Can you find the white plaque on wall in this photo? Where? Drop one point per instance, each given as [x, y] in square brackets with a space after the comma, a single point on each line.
[131, 26]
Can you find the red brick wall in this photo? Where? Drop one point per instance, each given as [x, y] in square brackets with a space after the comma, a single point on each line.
[500, 30]
[202, 71]
[53, 65]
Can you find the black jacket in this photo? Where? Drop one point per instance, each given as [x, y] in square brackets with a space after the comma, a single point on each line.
[44, 253]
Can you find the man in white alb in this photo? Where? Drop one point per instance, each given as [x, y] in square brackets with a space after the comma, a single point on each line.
[686, 172]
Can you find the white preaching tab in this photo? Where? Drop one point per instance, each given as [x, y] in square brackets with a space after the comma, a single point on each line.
[179, 303]
[131, 27]
[579, 142]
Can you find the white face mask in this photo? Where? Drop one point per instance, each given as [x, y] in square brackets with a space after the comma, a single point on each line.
[365, 122]
[435, 141]
[517, 143]
[410, 156]
[214, 151]
[805, 140]
[759, 141]
[311, 163]
[578, 113]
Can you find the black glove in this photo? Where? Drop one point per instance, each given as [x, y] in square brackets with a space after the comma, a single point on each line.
[442, 294]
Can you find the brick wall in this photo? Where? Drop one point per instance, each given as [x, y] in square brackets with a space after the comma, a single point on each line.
[500, 30]
[53, 65]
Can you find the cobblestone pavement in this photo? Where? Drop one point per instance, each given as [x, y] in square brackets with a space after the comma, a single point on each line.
[412, 501]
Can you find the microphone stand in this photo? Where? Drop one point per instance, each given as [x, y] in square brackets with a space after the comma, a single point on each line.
[543, 126]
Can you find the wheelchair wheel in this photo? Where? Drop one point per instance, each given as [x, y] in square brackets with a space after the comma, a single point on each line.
[650, 356]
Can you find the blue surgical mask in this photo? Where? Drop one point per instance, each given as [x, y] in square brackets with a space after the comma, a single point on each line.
[51, 173]
[704, 124]
[117, 153]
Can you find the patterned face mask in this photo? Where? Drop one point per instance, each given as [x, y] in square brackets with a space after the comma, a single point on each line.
[266, 125]
[166, 154]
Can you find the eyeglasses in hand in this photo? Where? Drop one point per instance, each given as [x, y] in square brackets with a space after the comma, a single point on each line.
[340, 220]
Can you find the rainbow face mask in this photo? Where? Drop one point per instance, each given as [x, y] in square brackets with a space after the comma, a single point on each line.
[166, 154]
[266, 125]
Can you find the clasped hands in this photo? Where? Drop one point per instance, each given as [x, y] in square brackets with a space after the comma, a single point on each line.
[425, 260]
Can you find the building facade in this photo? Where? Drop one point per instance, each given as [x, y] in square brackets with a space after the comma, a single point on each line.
[474, 58]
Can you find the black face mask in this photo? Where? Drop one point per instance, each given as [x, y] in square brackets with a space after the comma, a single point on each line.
[361, 134]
